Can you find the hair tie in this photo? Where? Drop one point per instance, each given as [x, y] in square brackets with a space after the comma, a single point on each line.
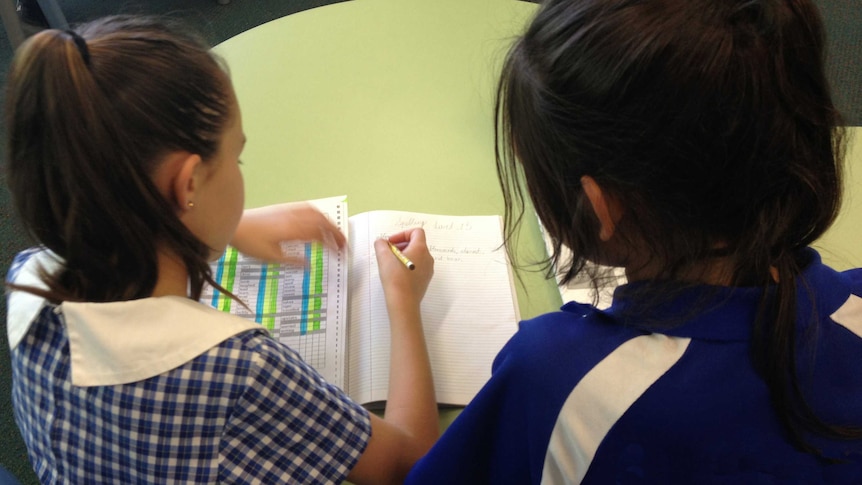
[81, 44]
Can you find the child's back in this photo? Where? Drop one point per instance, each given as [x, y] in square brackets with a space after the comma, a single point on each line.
[593, 396]
[694, 143]
[123, 141]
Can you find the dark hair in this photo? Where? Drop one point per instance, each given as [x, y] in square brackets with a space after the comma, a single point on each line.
[87, 124]
[711, 122]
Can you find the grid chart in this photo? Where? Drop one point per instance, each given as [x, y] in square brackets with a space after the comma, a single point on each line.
[290, 301]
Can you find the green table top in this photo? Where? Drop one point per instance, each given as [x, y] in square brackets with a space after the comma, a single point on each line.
[387, 101]
[841, 246]
[391, 103]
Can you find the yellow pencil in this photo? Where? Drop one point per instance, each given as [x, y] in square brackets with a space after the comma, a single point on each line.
[398, 254]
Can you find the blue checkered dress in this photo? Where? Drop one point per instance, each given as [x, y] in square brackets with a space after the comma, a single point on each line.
[249, 410]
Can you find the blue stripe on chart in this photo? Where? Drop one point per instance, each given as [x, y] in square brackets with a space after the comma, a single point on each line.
[261, 293]
[306, 280]
[218, 276]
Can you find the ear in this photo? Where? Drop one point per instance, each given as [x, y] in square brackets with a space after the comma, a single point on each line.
[187, 180]
[174, 178]
[606, 208]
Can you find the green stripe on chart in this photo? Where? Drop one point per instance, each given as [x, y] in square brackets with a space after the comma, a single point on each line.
[318, 282]
[271, 296]
[230, 259]
[312, 287]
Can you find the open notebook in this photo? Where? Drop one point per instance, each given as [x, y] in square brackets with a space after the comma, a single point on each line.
[333, 311]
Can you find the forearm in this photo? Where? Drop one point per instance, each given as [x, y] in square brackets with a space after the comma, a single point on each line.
[411, 405]
[410, 424]
[261, 231]
[242, 232]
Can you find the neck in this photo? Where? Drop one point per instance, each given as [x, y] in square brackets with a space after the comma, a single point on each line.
[716, 272]
[173, 276]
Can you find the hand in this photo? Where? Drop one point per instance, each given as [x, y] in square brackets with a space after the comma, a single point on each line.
[401, 285]
[261, 231]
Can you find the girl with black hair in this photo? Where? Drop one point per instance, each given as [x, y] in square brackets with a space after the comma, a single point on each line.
[695, 144]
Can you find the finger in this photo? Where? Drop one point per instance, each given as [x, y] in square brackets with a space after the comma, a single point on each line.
[331, 237]
[406, 237]
[381, 249]
[398, 238]
[416, 237]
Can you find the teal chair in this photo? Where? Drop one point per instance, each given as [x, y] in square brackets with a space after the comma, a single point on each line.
[15, 29]
[7, 478]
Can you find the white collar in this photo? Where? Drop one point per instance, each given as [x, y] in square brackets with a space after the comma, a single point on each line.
[122, 342]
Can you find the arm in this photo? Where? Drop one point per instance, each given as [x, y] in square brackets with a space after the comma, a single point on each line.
[410, 424]
[261, 231]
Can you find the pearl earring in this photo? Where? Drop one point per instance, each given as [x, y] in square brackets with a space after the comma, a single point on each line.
[190, 204]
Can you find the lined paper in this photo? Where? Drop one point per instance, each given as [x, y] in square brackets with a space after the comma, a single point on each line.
[469, 311]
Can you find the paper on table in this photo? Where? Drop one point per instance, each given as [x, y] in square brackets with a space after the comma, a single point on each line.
[469, 311]
[303, 307]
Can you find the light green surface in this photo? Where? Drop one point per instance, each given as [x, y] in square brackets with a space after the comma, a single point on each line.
[841, 246]
[395, 110]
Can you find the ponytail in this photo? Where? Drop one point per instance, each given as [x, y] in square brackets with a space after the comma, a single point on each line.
[85, 132]
[775, 355]
[712, 124]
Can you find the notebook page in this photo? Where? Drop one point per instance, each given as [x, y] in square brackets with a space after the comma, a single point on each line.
[469, 311]
[365, 304]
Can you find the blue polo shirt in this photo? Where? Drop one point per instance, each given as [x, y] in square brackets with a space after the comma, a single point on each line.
[589, 396]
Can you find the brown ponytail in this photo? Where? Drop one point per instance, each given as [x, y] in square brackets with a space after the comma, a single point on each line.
[88, 117]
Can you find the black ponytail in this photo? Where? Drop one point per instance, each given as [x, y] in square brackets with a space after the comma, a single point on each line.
[713, 126]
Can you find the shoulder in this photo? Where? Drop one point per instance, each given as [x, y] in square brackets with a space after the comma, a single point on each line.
[19, 261]
[264, 360]
[23, 307]
[293, 423]
[26, 264]
[276, 363]
[829, 346]
[577, 331]
[551, 354]
[277, 373]
[830, 300]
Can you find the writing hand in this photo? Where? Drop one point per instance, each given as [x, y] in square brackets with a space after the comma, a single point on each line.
[401, 285]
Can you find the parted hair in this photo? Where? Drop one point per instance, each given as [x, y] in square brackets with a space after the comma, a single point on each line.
[86, 127]
[712, 123]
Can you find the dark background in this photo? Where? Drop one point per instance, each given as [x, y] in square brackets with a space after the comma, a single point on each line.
[220, 22]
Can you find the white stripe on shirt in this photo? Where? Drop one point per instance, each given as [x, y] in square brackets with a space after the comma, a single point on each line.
[849, 315]
[601, 398]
